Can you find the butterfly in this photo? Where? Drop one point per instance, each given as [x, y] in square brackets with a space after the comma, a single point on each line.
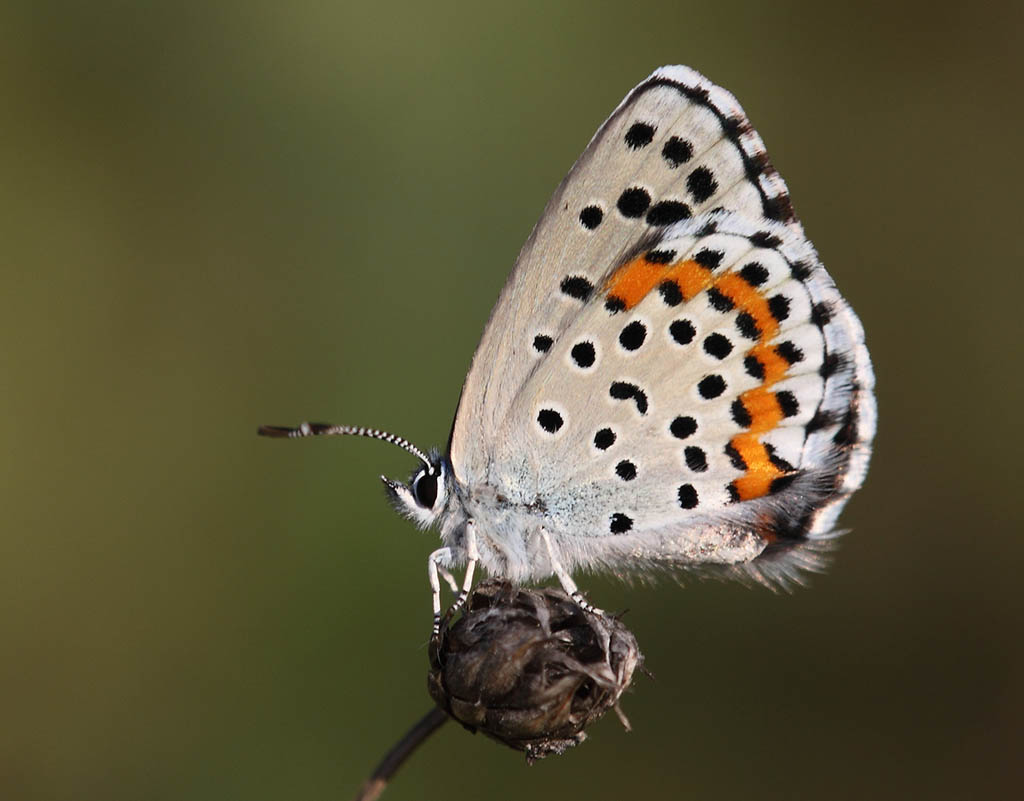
[669, 380]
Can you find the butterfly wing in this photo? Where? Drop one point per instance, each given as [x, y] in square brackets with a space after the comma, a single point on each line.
[643, 246]
[676, 146]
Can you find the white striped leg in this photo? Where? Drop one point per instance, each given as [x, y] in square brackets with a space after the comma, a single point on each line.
[473, 555]
[449, 579]
[566, 580]
[433, 569]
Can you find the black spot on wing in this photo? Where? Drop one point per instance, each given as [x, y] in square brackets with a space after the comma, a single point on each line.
[604, 439]
[790, 352]
[620, 523]
[667, 212]
[779, 207]
[710, 387]
[832, 364]
[739, 413]
[683, 427]
[695, 458]
[614, 304]
[550, 420]
[591, 217]
[682, 331]
[639, 135]
[717, 346]
[821, 314]
[754, 274]
[778, 305]
[800, 270]
[660, 256]
[623, 390]
[747, 326]
[676, 151]
[576, 286]
[670, 293]
[633, 202]
[788, 403]
[633, 335]
[701, 184]
[753, 367]
[763, 239]
[583, 354]
[735, 458]
[719, 301]
[709, 258]
[687, 496]
[625, 470]
[542, 343]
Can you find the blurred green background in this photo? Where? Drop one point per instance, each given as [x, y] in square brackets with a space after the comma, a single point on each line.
[221, 214]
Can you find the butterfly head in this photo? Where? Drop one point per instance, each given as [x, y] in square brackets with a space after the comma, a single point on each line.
[425, 495]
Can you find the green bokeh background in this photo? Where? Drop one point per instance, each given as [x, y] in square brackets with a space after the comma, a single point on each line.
[221, 214]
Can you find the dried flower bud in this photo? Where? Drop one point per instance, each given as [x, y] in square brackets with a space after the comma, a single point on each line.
[529, 668]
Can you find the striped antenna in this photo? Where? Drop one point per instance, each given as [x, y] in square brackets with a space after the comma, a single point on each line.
[328, 430]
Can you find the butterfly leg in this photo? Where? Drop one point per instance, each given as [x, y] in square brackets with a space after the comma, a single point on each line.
[434, 568]
[473, 555]
[566, 580]
[449, 579]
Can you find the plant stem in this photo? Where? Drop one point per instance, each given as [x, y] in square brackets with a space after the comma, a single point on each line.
[401, 751]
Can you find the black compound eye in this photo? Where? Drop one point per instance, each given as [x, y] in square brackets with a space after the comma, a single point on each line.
[424, 489]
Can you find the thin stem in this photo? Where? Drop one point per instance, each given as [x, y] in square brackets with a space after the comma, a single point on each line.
[401, 751]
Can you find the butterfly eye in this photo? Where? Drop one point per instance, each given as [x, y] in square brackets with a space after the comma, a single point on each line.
[424, 488]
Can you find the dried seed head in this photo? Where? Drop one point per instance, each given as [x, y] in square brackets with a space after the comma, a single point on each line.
[529, 668]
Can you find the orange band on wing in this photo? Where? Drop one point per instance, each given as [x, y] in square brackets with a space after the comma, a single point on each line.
[774, 365]
[692, 278]
[757, 481]
[748, 299]
[763, 408]
[632, 282]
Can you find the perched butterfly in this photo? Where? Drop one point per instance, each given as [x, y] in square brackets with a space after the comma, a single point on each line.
[670, 378]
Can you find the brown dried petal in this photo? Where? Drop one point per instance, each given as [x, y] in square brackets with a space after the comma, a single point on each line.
[529, 668]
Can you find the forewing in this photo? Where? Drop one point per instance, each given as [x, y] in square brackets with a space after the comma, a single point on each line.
[676, 146]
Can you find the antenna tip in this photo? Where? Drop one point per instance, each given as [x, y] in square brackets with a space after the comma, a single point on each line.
[274, 431]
